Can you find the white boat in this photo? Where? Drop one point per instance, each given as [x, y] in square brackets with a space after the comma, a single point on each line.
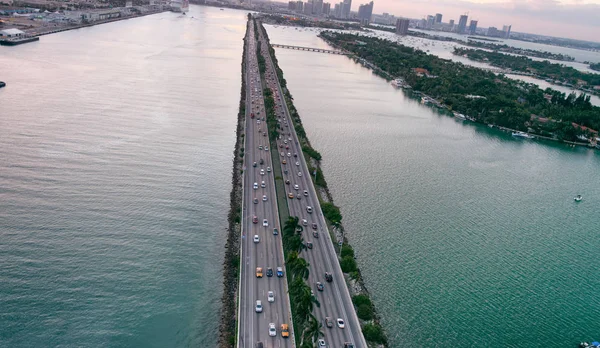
[578, 198]
[460, 116]
[522, 135]
[398, 83]
[180, 6]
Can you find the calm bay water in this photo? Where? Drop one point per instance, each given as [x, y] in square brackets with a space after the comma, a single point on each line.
[466, 236]
[115, 162]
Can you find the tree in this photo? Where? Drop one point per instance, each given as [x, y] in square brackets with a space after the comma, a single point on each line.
[297, 266]
[314, 330]
[365, 311]
[348, 264]
[374, 333]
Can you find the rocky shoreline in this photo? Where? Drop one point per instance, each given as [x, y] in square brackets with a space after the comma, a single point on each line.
[228, 320]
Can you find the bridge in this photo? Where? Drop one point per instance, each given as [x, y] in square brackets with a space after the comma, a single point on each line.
[312, 49]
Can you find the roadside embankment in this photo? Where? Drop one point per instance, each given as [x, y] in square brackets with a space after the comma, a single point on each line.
[369, 319]
[231, 262]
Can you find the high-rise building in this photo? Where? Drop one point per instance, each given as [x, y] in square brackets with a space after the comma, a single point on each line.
[308, 6]
[430, 22]
[473, 27]
[346, 6]
[438, 18]
[292, 5]
[317, 7]
[337, 10]
[365, 12]
[506, 30]
[462, 24]
[402, 26]
[326, 8]
[299, 6]
[451, 23]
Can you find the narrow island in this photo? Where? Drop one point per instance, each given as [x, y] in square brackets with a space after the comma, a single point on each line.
[476, 94]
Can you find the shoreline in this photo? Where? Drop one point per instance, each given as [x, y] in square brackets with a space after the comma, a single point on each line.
[231, 261]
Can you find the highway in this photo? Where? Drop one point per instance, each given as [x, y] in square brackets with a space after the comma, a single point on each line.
[259, 203]
[335, 301]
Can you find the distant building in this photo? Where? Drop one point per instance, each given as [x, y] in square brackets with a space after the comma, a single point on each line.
[506, 30]
[292, 5]
[299, 6]
[462, 24]
[346, 6]
[438, 18]
[11, 33]
[337, 10]
[365, 12]
[326, 8]
[402, 26]
[451, 23]
[430, 22]
[473, 27]
[308, 6]
[317, 7]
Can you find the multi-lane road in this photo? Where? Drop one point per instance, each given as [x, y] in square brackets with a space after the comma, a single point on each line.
[260, 246]
[335, 301]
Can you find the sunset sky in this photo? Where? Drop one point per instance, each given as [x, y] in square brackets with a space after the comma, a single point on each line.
[577, 19]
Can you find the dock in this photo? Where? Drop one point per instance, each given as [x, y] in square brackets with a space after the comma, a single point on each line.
[18, 41]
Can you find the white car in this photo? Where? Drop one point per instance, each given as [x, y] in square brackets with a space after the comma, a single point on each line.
[264, 198]
[265, 223]
[296, 187]
[260, 147]
[272, 330]
[256, 238]
[289, 154]
[269, 169]
[299, 173]
[297, 163]
[270, 296]
[322, 343]
[262, 172]
[304, 222]
[262, 184]
[340, 323]
[257, 121]
[266, 148]
[255, 186]
[258, 307]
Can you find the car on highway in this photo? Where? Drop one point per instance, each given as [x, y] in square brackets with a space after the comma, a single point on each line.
[314, 226]
[269, 169]
[309, 209]
[255, 200]
[315, 234]
[258, 307]
[254, 164]
[260, 147]
[348, 345]
[285, 332]
[322, 343]
[289, 154]
[328, 277]
[305, 193]
[259, 272]
[280, 272]
[309, 245]
[255, 219]
[262, 161]
[262, 172]
[285, 141]
[340, 323]
[264, 198]
[275, 231]
[271, 296]
[272, 330]
[304, 222]
[265, 223]
[297, 163]
[264, 134]
[298, 197]
[296, 187]
[295, 154]
[287, 147]
[256, 238]
[328, 322]
[285, 171]
[266, 148]
[290, 195]
[256, 186]
[269, 272]
[284, 162]
[260, 345]
[320, 286]
[299, 173]
[287, 182]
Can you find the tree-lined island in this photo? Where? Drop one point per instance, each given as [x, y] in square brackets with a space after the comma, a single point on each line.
[481, 95]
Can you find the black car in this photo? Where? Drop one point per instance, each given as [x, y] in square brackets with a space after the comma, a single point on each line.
[262, 161]
[269, 272]
[259, 345]
[320, 286]
[328, 277]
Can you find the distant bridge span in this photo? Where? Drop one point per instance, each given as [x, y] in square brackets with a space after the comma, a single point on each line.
[312, 49]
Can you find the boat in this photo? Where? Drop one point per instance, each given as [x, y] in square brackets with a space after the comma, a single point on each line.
[2, 84]
[398, 83]
[522, 135]
[578, 198]
[180, 6]
[460, 116]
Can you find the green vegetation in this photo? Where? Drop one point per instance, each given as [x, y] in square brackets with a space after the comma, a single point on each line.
[543, 69]
[374, 333]
[347, 251]
[311, 152]
[520, 51]
[348, 264]
[332, 213]
[301, 22]
[506, 102]
[595, 66]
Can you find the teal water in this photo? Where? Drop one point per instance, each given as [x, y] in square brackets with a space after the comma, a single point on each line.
[115, 172]
[465, 236]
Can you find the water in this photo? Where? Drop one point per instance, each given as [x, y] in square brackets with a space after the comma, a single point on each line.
[466, 237]
[115, 161]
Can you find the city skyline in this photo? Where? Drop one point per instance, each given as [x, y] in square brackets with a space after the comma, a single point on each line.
[578, 18]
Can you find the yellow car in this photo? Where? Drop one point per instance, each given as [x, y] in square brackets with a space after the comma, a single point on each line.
[290, 195]
[259, 272]
[285, 332]
[284, 162]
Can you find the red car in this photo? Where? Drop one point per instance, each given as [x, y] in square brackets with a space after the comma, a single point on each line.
[255, 219]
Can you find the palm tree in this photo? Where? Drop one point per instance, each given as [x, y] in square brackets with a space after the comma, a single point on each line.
[297, 266]
[313, 330]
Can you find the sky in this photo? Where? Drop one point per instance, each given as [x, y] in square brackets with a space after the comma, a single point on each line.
[576, 19]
